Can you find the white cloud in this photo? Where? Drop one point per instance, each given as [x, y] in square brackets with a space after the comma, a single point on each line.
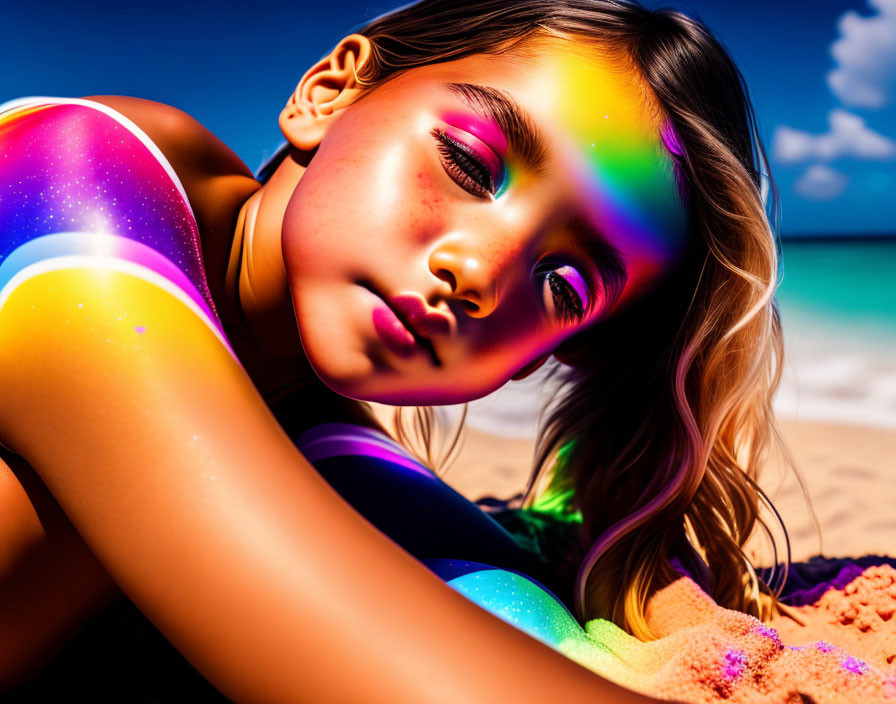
[821, 182]
[848, 136]
[865, 53]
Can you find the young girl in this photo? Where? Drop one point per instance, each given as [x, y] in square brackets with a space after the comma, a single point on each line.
[467, 190]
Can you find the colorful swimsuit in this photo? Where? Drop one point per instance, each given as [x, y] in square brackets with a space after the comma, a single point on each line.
[449, 534]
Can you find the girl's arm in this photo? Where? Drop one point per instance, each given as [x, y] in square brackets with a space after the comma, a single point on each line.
[50, 582]
[157, 446]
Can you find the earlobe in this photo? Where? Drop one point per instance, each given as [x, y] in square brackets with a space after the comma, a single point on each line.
[326, 88]
[570, 353]
[530, 367]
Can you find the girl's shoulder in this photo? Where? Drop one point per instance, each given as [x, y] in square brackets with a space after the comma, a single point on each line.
[85, 131]
[191, 149]
[214, 178]
[79, 176]
[136, 169]
[84, 189]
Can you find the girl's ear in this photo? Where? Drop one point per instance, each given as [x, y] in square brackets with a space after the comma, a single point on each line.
[324, 91]
[530, 367]
[571, 353]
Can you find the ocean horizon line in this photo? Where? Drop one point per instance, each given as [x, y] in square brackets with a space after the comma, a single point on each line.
[839, 237]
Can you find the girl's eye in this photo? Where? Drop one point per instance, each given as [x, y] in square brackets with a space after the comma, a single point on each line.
[464, 167]
[566, 293]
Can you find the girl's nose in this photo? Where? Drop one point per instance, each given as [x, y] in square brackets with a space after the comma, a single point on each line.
[468, 270]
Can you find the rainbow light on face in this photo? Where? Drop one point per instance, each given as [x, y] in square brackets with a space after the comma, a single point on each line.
[622, 163]
[511, 176]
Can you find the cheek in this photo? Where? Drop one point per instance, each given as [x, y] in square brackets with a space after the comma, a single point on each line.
[517, 335]
[403, 199]
[377, 208]
[309, 227]
[428, 217]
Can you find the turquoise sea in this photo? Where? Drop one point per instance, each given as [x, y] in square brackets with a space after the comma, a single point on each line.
[838, 309]
[851, 285]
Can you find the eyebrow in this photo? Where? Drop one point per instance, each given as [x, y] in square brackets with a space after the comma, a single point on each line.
[517, 125]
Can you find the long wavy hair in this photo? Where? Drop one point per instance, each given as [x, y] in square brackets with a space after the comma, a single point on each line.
[664, 417]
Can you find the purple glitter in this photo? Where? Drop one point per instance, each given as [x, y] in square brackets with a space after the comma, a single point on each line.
[74, 168]
[854, 665]
[825, 647]
[735, 662]
[768, 632]
[140, 329]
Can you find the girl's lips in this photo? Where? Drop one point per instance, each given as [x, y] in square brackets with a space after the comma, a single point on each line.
[423, 320]
[392, 332]
[404, 323]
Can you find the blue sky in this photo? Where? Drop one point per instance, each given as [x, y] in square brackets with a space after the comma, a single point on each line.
[823, 81]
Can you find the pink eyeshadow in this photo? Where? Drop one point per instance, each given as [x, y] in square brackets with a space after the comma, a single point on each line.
[487, 156]
[577, 282]
[486, 130]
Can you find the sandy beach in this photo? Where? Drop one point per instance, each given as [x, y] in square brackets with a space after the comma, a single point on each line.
[849, 471]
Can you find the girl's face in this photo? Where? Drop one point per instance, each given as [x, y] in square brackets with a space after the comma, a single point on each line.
[456, 223]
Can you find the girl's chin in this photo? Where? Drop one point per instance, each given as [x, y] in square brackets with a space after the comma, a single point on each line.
[392, 392]
[362, 378]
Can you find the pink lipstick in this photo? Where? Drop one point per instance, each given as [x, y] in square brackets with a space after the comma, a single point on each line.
[392, 331]
[423, 320]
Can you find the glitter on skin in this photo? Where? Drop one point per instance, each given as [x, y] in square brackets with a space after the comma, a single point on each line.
[76, 166]
[516, 598]
[100, 250]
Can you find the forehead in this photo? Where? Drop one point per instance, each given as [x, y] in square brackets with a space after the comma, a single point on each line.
[603, 130]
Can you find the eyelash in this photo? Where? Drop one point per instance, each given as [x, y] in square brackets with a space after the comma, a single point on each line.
[463, 166]
[459, 160]
[570, 307]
